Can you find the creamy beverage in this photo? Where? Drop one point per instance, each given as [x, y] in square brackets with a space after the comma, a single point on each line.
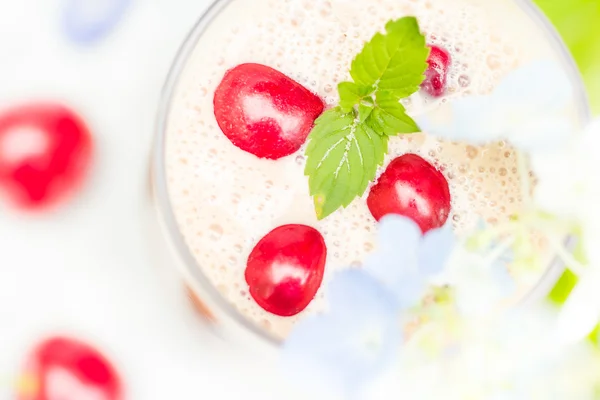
[226, 199]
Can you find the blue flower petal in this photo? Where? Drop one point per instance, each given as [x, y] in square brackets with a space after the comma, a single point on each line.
[472, 116]
[307, 357]
[409, 289]
[542, 134]
[352, 343]
[396, 255]
[388, 267]
[463, 120]
[435, 249]
[399, 275]
[395, 231]
[504, 281]
[522, 109]
[539, 87]
[355, 291]
[86, 21]
[395, 264]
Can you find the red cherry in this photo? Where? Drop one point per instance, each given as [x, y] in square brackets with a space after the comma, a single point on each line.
[285, 269]
[437, 73]
[411, 187]
[61, 368]
[45, 153]
[264, 112]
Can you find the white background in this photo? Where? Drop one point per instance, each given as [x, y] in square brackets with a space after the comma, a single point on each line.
[91, 269]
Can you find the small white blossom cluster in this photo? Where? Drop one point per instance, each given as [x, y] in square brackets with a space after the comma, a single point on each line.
[440, 322]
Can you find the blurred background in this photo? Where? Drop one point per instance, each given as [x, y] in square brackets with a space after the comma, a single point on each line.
[86, 269]
[575, 20]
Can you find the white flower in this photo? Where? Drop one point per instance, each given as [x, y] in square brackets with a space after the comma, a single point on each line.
[479, 285]
[527, 108]
[512, 358]
[569, 186]
[569, 177]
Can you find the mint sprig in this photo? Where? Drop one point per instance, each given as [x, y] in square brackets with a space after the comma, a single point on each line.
[349, 142]
[395, 61]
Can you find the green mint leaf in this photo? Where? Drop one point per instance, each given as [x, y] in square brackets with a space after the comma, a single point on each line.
[352, 94]
[374, 148]
[395, 61]
[389, 117]
[349, 142]
[364, 111]
[342, 158]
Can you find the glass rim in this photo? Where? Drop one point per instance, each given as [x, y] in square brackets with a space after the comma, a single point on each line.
[160, 185]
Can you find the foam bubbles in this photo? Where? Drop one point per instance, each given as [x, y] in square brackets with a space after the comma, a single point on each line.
[225, 200]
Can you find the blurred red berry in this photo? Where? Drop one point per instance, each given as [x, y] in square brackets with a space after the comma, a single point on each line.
[45, 154]
[62, 368]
